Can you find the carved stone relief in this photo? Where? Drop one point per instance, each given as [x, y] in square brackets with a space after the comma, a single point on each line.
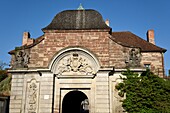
[75, 64]
[32, 96]
[118, 99]
[134, 58]
[21, 59]
[118, 107]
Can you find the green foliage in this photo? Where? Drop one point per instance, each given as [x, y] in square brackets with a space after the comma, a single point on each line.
[145, 94]
[5, 80]
[5, 86]
[3, 75]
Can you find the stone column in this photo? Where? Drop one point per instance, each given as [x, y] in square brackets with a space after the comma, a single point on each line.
[102, 95]
[46, 92]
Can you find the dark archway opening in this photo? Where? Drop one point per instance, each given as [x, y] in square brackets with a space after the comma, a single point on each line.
[75, 102]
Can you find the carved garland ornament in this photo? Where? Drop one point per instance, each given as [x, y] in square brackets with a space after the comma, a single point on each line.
[75, 64]
[32, 96]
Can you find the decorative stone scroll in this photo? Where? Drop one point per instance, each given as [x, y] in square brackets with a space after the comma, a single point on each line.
[75, 64]
[134, 58]
[21, 59]
[32, 96]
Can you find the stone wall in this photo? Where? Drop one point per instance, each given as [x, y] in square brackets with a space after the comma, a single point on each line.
[16, 93]
[118, 55]
[98, 42]
[31, 93]
[41, 87]
[108, 52]
[155, 60]
[102, 97]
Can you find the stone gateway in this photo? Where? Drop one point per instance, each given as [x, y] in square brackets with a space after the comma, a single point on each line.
[75, 65]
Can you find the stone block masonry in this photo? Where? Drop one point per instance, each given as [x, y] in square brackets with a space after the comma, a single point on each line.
[102, 92]
[16, 93]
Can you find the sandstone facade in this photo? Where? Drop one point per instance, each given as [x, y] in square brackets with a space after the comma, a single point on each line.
[76, 65]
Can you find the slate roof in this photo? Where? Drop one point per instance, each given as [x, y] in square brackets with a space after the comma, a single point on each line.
[131, 40]
[77, 20]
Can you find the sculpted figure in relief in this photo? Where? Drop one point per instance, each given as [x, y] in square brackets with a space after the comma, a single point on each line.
[21, 59]
[134, 58]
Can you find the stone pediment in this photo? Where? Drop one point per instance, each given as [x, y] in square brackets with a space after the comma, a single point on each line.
[75, 63]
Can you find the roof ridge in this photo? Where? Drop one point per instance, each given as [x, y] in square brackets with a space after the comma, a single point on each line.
[120, 31]
[146, 41]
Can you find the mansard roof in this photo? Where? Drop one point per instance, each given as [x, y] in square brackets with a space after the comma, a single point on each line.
[77, 20]
[131, 40]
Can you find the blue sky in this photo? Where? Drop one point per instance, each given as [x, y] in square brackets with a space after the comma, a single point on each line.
[137, 16]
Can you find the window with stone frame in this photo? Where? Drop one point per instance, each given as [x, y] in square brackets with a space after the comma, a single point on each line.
[147, 66]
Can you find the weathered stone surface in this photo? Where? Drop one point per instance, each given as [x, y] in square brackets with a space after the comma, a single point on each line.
[86, 62]
[155, 60]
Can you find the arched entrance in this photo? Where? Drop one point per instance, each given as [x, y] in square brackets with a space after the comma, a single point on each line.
[75, 102]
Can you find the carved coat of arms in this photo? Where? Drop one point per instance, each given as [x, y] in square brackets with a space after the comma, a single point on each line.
[75, 64]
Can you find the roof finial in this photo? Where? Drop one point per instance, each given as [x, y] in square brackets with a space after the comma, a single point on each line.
[80, 7]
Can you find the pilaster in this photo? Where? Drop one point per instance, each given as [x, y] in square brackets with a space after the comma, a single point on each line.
[102, 98]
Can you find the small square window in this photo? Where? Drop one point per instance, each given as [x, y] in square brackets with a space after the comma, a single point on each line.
[147, 66]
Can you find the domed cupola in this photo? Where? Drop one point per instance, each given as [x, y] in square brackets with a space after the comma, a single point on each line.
[79, 19]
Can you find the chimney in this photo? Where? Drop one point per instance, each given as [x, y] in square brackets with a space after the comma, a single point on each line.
[150, 36]
[30, 41]
[26, 39]
[107, 22]
[26, 36]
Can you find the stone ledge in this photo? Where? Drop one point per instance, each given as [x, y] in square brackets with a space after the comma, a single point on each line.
[75, 76]
[131, 69]
[25, 70]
